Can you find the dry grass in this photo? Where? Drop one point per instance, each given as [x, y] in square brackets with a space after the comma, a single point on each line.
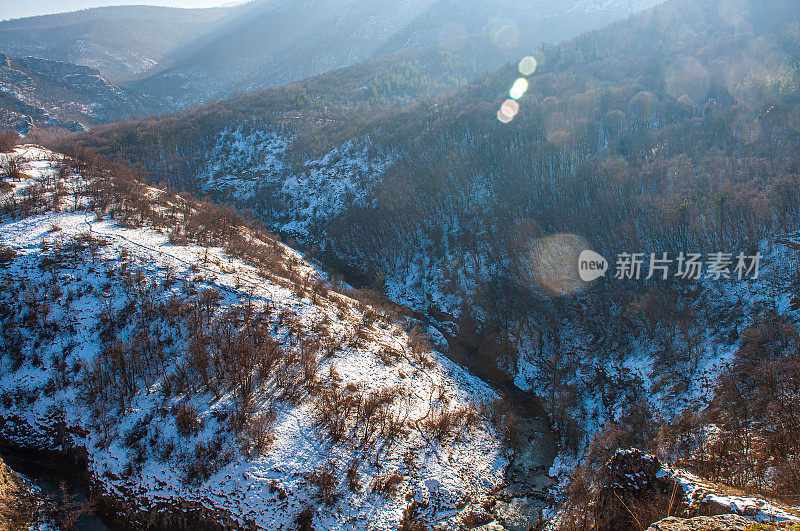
[325, 479]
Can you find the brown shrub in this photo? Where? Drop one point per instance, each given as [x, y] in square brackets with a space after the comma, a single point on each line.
[260, 432]
[420, 345]
[325, 479]
[7, 256]
[411, 520]
[418, 341]
[353, 481]
[441, 425]
[387, 484]
[8, 139]
[304, 519]
[66, 510]
[389, 356]
[206, 460]
[11, 170]
[332, 409]
[176, 237]
[187, 420]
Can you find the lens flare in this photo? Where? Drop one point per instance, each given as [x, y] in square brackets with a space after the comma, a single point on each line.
[527, 66]
[519, 88]
[553, 265]
[510, 108]
[502, 117]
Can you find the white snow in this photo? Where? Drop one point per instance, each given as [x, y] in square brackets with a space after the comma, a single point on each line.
[268, 490]
[698, 490]
[251, 163]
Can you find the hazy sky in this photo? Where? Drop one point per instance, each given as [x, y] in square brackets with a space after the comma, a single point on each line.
[28, 8]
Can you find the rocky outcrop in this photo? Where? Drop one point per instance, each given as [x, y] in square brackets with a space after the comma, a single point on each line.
[120, 505]
[634, 491]
[727, 522]
[16, 508]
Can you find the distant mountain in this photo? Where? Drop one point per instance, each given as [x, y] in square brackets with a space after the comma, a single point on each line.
[177, 57]
[275, 42]
[511, 25]
[121, 42]
[47, 93]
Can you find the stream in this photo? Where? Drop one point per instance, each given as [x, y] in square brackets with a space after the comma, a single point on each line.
[520, 503]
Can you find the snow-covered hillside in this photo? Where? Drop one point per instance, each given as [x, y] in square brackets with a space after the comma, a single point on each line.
[723, 309]
[247, 163]
[194, 378]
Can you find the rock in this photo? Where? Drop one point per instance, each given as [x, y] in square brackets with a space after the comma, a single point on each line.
[519, 514]
[726, 522]
[475, 516]
[633, 492]
[750, 510]
[491, 526]
[48, 93]
[16, 501]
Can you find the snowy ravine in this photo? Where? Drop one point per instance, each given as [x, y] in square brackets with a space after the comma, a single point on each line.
[71, 271]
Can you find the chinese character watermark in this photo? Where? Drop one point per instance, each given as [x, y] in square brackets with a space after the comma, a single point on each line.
[686, 266]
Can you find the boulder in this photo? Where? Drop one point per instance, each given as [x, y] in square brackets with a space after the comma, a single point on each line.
[634, 491]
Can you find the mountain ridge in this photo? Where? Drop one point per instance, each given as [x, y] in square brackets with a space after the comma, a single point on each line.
[47, 93]
[123, 42]
[272, 438]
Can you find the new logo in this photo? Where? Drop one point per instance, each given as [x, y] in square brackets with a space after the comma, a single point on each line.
[591, 265]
